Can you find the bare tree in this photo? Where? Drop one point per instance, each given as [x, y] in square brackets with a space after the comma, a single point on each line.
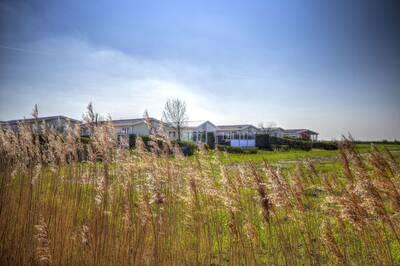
[268, 129]
[91, 118]
[175, 114]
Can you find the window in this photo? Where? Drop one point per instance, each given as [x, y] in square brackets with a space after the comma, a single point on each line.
[251, 135]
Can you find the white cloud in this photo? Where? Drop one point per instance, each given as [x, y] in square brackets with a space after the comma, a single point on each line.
[64, 74]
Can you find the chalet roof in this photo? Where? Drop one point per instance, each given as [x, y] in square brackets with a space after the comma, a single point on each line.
[131, 121]
[40, 119]
[234, 127]
[196, 124]
[271, 129]
[298, 131]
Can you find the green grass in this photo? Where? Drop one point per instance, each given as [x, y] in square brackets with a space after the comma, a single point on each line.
[293, 156]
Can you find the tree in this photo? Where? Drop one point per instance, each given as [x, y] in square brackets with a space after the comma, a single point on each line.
[268, 129]
[263, 138]
[91, 118]
[175, 114]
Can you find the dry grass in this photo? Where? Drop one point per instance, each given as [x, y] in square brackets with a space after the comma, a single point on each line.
[122, 207]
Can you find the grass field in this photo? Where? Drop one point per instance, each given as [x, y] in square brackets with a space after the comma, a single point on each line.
[298, 155]
[121, 207]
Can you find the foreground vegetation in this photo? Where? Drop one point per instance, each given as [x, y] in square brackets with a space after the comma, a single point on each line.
[119, 207]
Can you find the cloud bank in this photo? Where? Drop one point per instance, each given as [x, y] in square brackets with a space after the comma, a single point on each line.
[63, 74]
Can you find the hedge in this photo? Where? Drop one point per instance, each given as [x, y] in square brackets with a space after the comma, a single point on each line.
[230, 149]
[85, 139]
[211, 140]
[264, 141]
[188, 147]
[132, 140]
[325, 145]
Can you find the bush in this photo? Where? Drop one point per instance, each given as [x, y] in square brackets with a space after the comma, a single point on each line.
[243, 150]
[264, 141]
[132, 140]
[211, 140]
[224, 142]
[188, 147]
[276, 147]
[325, 145]
[85, 139]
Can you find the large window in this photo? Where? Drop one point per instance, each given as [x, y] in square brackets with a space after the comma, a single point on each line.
[250, 135]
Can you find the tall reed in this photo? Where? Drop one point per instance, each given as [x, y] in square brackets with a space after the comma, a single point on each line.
[63, 202]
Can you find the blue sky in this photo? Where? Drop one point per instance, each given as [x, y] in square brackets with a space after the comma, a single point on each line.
[331, 66]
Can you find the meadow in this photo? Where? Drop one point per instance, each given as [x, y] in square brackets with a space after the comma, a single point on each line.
[293, 156]
[63, 202]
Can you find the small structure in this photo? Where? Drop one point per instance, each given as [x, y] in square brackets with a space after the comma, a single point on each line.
[304, 134]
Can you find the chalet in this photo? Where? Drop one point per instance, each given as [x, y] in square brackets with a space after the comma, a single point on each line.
[304, 134]
[206, 132]
[58, 123]
[237, 135]
[199, 132]
[272, 131]
[136, 126]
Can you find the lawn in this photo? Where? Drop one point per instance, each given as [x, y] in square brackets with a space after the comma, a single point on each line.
[293, 156]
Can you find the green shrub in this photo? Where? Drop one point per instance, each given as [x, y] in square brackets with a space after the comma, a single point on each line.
[132, 140]
[85, 139]
[264, 141]
[188, 147]
[244, 150]
[325, 145]
[211, 140]
[224, 142]
[276, 147]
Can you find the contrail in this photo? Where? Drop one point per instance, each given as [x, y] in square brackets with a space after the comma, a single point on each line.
[22, 50]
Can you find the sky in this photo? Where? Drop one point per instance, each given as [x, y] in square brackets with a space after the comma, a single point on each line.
[330, 66]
